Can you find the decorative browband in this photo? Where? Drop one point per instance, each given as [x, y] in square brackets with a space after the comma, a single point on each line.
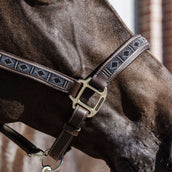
[35, 71]
[121, 56]
[118, 61]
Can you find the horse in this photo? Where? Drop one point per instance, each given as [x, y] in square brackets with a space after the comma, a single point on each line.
[132, 130]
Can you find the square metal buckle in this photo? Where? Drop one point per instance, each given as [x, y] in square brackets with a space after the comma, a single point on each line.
[92, 110]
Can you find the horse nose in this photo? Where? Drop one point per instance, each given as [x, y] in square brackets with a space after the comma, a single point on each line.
[124, 166]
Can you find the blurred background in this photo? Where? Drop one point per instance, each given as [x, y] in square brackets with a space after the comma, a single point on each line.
[151, 18]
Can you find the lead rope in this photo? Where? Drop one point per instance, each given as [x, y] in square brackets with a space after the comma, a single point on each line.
[46, 168]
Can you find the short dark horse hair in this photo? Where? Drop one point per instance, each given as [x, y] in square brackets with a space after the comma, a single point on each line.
[132, 130]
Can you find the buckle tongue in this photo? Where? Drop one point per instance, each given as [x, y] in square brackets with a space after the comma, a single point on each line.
[92, 110]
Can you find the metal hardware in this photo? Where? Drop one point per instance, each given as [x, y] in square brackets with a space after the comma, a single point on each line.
[92, 110]
[41, 154]
[47, 168]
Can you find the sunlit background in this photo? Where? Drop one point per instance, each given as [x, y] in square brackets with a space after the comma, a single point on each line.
[125, 9]
[153, 19]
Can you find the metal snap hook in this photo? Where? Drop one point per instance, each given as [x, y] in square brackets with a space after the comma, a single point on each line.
[47, 168]
[41, 154]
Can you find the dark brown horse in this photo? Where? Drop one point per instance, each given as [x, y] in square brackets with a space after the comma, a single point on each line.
[132, 131]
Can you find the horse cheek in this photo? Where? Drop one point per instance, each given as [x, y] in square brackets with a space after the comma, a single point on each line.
[10, 111]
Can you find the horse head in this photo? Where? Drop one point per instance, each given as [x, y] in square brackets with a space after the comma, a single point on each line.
[132, 130]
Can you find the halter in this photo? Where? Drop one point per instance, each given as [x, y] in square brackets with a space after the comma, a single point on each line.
[98, 83]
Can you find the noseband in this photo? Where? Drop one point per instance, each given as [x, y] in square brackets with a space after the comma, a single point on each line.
[98, 83]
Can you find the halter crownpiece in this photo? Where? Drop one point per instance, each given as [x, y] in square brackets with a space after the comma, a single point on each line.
[98, 83]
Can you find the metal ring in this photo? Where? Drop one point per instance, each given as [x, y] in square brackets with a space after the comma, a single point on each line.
[41, 154]
[47, 167]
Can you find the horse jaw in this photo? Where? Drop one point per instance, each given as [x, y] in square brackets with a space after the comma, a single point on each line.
[127, 146]
[140, 155]
[135, 154]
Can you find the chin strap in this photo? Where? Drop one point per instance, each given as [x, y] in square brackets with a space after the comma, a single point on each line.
[76, 89]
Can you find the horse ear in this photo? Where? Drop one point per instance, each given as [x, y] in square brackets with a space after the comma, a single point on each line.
[40, 2]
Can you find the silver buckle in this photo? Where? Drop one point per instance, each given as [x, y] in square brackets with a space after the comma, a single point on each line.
[92, 110]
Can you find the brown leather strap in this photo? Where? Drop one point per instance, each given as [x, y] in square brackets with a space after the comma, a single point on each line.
[39, 73]
[119, 60]
[21, 141]
[116, 63]
[70, 130]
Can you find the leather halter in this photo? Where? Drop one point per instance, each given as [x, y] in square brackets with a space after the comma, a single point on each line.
[116, 63]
